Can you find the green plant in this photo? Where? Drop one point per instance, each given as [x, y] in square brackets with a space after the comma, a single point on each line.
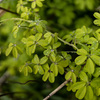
[31, 34]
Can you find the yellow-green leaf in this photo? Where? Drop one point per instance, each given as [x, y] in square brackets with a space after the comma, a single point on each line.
[83, 76]
[80, 60]
[43, 60]
[68, 75]
[89, 93]
[81, 92]
[14, 52]
[51, 77]
[90, 67]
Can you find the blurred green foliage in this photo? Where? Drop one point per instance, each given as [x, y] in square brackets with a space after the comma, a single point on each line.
[62, 17]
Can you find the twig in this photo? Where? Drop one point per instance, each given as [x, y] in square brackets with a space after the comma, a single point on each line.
[57, 89]
[4, 78]
[24, 82]
[67, 43]
[16, 19]
[9, 11]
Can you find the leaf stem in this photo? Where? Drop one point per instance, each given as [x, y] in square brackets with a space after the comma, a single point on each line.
[67, 43]
[57, 89]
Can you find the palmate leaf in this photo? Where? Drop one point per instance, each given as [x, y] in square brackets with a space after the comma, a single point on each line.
[80, 60]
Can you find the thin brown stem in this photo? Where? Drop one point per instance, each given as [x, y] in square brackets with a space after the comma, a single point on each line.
[57, 89]
[9, 11]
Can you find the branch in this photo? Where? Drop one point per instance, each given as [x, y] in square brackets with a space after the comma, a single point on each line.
[9, 11]
[57, 89]
[67, 43]
[4, 78]
[24, 82]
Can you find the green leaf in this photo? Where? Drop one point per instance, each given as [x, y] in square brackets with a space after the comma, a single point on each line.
[24, 40]
[45, 76]
[63, 63]
[89, 93]
[82, 52]
[96, 59]
[98, 91]
[73, 78]
[54, 68]
[56, 45]
[41, 71]
[83, 76]
[35, 69]
[21, 68]
[14, 31]
[78, 85]
[51, 77]
[81, 93]
[53, 56]
[35, 60]
[90, 67]
[14, 52]
[39, 28]
[60, 70]
[47, 52]
[38, 36]
[43, 60]
[29, 43]
[97, 72]
[39, 3]
[97, 22]
[29, 69]
[80, 60]
[9, 49]
[96, 15]
[95, 82]
[48, 34]
[68, 75]
[33, 5]
[26, 71]
[33, 47]
[19, 49]
[43, 42]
